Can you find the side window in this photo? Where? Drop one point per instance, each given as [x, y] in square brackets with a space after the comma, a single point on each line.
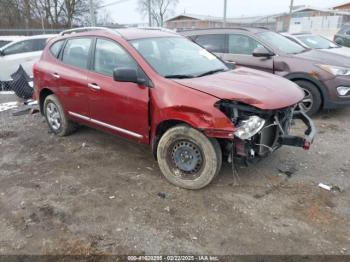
[39, 44]
[56, 48]
[242, 45]
[76, 52]
[110, 55]
[213, 43]
[20, 47]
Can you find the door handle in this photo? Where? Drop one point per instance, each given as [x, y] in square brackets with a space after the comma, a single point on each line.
[94, 86]
[55, 75]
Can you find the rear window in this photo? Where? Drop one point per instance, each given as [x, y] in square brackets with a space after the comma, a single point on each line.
[213, 43]
[56, 48]
[76, 52]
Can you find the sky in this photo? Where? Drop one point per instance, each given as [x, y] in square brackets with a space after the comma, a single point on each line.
[126, 12]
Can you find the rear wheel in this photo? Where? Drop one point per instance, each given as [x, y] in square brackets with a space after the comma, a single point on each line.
[312, 101]
[55, 117]
[187, 158]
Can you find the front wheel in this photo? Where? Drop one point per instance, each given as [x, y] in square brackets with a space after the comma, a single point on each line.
[339, 41]
[312, 101]
[187, 158]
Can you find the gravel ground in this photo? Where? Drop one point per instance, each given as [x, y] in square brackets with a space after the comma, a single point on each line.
[93, 193]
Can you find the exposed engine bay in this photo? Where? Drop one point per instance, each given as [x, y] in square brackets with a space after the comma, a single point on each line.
[261, 132]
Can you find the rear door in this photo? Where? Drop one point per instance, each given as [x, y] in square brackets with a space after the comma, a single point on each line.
[240, 51]
[117, 106]
[71, 76]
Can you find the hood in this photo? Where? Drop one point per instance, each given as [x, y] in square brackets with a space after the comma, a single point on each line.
[344, 51]
[256, 88]
[325, 57]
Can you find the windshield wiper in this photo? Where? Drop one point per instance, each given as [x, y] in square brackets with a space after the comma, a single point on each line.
[211, 72]
[180, 76]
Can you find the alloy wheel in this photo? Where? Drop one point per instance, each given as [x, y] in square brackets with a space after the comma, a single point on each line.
[53, 116]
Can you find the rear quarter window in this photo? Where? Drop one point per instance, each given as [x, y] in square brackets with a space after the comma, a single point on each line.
[56, 48]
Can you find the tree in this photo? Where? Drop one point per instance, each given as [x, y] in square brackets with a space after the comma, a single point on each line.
[160, 9]
[48, 13]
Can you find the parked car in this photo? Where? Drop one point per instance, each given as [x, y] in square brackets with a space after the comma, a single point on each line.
[23, 52]
[159, 88]
[4, 40]
[324, 77]
[318, 42]
[343, 36]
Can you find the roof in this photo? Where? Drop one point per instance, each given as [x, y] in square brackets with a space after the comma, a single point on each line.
[126, 33]
[243, 20]
[341, 5]
[136, 33]
[253, 30]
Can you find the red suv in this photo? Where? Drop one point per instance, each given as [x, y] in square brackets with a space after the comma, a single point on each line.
[159, 88]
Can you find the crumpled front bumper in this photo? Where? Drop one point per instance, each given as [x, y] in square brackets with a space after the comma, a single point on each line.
[297, 141]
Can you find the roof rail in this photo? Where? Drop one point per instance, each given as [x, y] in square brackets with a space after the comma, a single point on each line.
[86, 29]
[157, 29]
[216, 28]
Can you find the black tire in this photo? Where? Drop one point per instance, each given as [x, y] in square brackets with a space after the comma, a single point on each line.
[208, 150]
[312, 93]
[65, 126]
[339, 41]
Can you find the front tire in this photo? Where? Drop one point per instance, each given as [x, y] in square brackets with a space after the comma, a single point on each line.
[56, 118]
[187, 158]
[312, 101]
[339, 41]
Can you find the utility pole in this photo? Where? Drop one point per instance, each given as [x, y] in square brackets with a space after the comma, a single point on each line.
[92, 13]
[225, 13]
[290, 13]
[149, 13]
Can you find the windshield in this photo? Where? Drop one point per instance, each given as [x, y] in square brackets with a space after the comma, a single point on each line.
[3, 43]
[177, 57]
[317, 42]
[281, 43]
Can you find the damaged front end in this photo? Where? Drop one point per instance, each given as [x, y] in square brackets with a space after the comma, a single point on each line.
[259, 132]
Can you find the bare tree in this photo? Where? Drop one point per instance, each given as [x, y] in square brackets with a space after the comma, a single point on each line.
[160, 9]
[48, 13]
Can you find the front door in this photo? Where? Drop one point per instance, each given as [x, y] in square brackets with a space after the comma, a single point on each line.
[120, 107]
[240, 51]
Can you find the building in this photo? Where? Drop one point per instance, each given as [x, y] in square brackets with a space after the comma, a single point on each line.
[315, 20]
[191, 21]
[342, 7]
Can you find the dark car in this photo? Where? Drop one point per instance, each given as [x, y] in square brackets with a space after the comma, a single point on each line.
[325, 77]
[343, 36]
[160, 89]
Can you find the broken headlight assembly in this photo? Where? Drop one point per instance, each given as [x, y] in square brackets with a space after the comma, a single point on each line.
[250, 127]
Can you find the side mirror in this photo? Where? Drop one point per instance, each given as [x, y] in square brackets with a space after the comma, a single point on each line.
[230, 64]
[128, 75]
[262, 52]
[2, 53]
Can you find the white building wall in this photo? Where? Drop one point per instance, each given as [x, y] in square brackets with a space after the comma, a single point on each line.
[326, 26]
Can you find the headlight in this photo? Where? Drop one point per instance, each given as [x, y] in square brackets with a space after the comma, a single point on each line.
[249, 127]
[336, 70]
